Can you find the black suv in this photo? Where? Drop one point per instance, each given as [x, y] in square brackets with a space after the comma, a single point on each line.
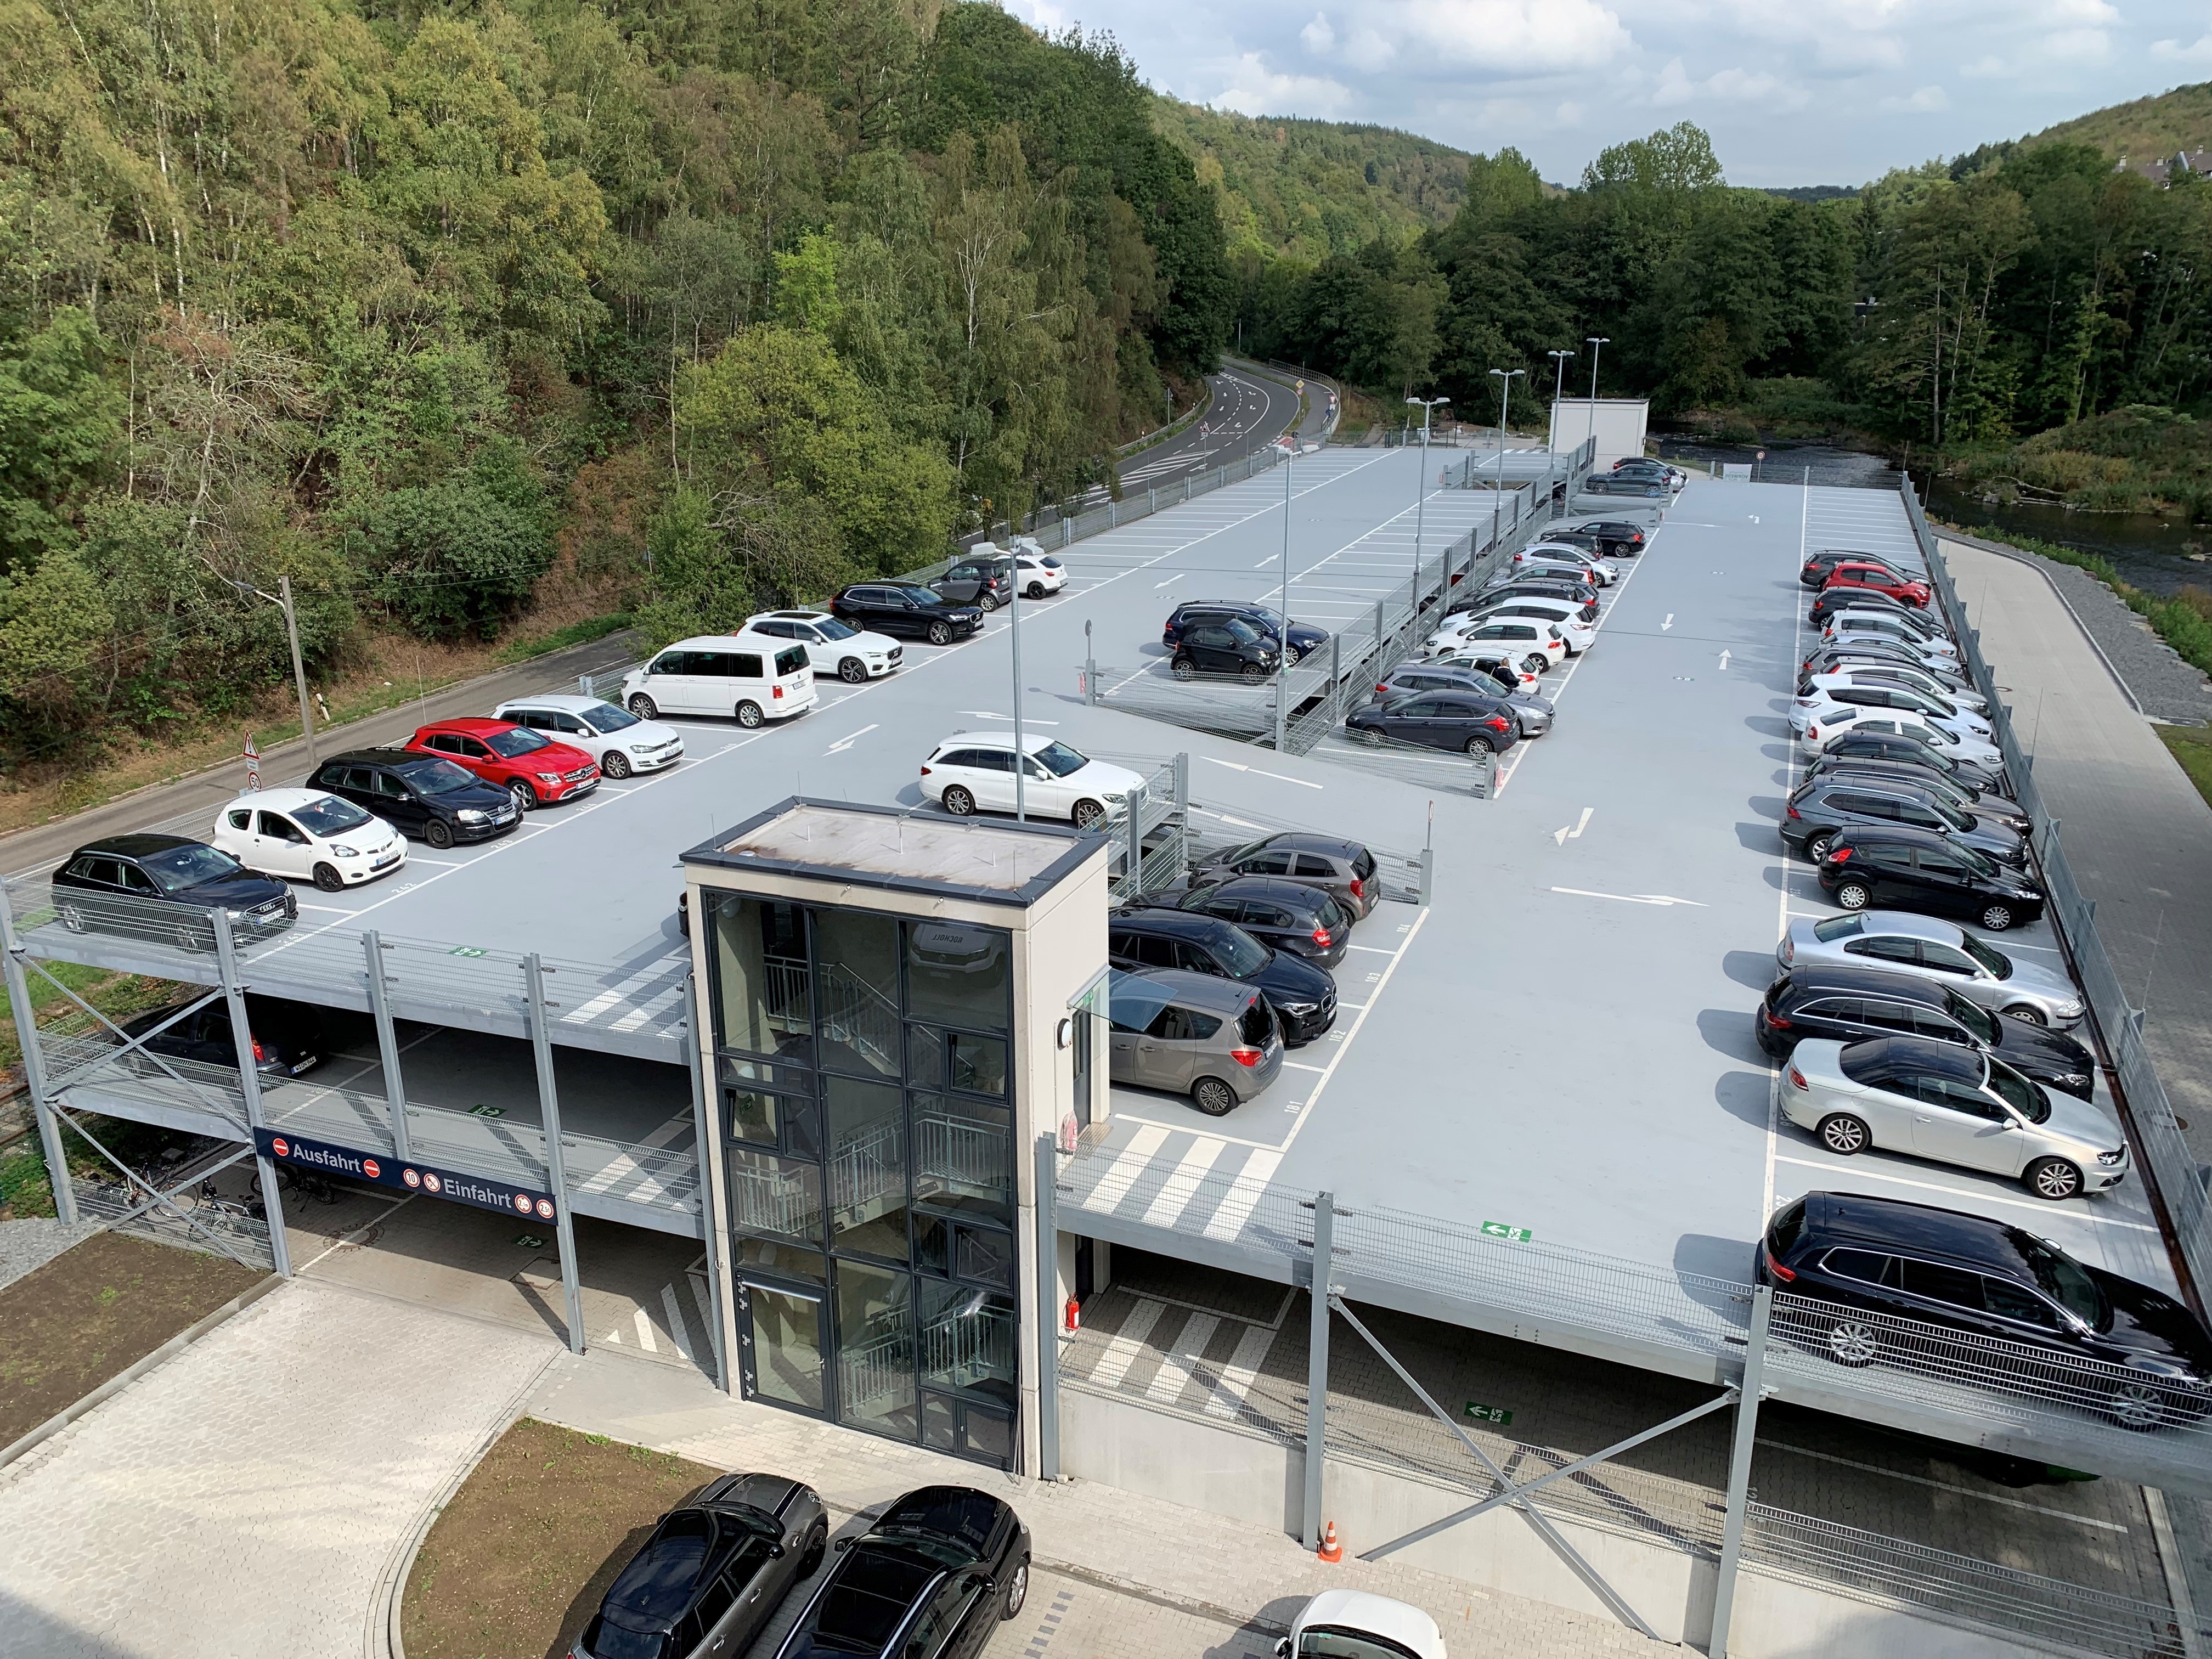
[1305, 638]
[1845, 1005]
[1896, 746]
[1820, 806]
[1458, 721]
[1231, 646]
[938, 1572]
[1281, 913]
[1303, 996]
[904, 608]
[985, 583]
[162, 887]
[1343, 869]
[1872, 1261]
[1959, 793]
[287, 1036]
[420, 795]
[1904, 869]
[1615, 536]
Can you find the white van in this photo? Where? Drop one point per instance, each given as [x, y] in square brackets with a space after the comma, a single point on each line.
[748, 680]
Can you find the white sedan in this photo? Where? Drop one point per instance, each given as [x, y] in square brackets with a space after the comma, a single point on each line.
[832, 647]
[305, 835]
[1839, 718]
[974, 771]
[1347, 1623]
[618, 740]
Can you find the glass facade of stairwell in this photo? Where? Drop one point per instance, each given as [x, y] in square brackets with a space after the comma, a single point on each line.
[863, 1078]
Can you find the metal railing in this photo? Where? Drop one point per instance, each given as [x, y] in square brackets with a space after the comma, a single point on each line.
[2176, 1180]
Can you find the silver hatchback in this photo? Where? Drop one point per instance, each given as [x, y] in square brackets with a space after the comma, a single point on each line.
[1934, 948]
[1191, 1034]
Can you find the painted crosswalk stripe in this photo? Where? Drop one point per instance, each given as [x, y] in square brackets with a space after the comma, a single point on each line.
[1122, 1352]
[1175, 1372]
[677, 1333]
[1244, 1195]
[1130, 1158]
[1235, 1382]
[1182, 1185]
[645, 1340]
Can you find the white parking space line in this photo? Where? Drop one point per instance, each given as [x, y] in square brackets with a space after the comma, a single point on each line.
[1122, 1350]
[1245, 1192]
[1873, 1172]
[645, 1338]
[1174, 1375]
[1174, 1196]
[1235, 1383]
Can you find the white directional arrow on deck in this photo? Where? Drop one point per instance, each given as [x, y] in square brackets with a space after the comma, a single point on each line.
[1668, 623]
[844, 743]
[1725, 656]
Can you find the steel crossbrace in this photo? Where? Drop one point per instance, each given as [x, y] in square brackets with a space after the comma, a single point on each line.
[1512, 1494]
[160, 1199]
[1550, 1534]
[139, 1043]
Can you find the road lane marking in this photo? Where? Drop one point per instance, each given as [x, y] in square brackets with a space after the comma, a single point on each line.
[2042, 1206]
[844, 743]
[1280, 777]
[1631, 898]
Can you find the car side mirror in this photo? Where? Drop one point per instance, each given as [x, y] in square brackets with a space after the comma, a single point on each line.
[844, 1544]
[983, 1582]
[776, 1552]
[1282, 1647]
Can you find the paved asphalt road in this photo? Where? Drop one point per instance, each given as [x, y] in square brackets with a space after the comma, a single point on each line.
[1250, 409]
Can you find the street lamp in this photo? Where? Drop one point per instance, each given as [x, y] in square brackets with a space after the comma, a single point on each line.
[1421, 489]
[1559, 390]
[1504, 378]
[1596, 343]
[282, 599]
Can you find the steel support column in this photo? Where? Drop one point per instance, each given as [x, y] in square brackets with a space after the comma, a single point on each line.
[1317, 1295]
[556, 1176]
[249, 1086]
[1136, 853]
[387, 1044]
[34, 1066]
[702, 1127]
[1047, 1290]
[1738, 1486]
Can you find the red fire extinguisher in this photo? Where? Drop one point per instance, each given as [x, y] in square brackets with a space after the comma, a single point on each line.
[1072, 1318]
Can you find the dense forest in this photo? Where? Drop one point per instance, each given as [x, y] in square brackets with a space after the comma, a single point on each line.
[429, 310]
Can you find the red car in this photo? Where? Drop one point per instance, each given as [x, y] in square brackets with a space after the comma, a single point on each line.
[1905, 590]
[529, 765]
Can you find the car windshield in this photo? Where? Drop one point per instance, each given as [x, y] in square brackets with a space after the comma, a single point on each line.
[919, 595]
[1332, 1642]
[1241, 631]
[1243, 955]
[1249, 850]
[2023, 1096]
[328, 816]
[435, 777]
[2063, 1278]
[519, 741]
[1836, 928]
[179, 867]
[604, 718]
[1980, 863]
[1996, 962]
[1057, 758]
[1979, 1021]
[830, 628]
[608, 1640]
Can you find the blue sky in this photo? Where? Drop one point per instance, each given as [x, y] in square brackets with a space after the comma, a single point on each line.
[1802, 92]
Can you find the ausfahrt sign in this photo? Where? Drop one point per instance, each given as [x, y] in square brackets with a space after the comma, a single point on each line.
[374, 1167]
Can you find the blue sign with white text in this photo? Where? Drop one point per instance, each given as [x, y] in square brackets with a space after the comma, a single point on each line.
[383, 1171]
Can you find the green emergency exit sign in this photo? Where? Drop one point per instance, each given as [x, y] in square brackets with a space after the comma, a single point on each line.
[1503, 1230]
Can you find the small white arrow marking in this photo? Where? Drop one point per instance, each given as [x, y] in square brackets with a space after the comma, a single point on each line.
[844, 743]
[1280, 777]
[1668, 623]
[1176, 578]
[1566, 833]
[1629, 898]
[1725, 656]
[1754, 517]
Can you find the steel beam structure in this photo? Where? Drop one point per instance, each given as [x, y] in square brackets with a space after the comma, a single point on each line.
[1047, 1293]
[387, 1043]
[703, 1125]
[249, 1087]
[556, 1175]
[1318, 1296]
[34, 1067]
[1740, 1453]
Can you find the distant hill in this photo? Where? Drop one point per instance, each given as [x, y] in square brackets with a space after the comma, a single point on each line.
[2148, 127]
[1308, 189]
[1812, 192]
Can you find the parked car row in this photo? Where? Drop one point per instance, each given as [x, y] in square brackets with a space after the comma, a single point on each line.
[1899, 1029]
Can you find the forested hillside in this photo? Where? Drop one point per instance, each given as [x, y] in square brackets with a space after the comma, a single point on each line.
[693, 305]
[2144, 128]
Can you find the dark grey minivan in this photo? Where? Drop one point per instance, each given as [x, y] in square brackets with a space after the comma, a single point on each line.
[1215, 1039]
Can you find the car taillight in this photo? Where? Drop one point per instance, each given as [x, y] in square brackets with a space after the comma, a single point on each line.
[1793, 812]
[925, 771]
[1775, 1020]
[1797, 1079]
[1839, 855]
[775, 692]
[1381, 689]
[258, 1052]
[1786, 1274]
[1246, 1056]
[1358, 890]
[1320, 937]
[1812, 734]
[1496, 723]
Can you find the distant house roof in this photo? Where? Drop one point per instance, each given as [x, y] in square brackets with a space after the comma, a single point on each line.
[2161, 171]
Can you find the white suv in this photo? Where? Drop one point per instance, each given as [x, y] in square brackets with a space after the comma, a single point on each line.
[975, 770]
[832, 647]
[617, 739]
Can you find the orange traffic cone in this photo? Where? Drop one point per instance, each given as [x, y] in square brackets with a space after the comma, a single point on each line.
[1330, 1549]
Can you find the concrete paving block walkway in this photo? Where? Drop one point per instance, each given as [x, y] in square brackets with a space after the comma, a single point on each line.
[1142, 1577]
[245, 1499]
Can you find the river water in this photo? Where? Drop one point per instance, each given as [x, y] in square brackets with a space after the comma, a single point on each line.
[2155, 554]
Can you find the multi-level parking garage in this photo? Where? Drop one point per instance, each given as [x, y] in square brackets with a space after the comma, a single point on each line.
[1545, 1128]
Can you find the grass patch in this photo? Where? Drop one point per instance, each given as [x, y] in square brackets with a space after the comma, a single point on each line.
[518, 1561]
[577, 632]
[24, 1189]
[2184, 622]
[95, 1311]
[2191, 745]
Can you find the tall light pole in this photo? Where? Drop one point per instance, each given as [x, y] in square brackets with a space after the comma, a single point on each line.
[1421, 489]
[1559, 389]
[1282, 610]
[1504, 378]
[1014, 627]
[281, 598]
[1596, 343]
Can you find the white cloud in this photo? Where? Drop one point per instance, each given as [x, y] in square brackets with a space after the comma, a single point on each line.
[1923, 101]
[1253, 89]
[1318, 37]
[1760, 89]
[1986, 68]
[1527, 37]
[2198, 52]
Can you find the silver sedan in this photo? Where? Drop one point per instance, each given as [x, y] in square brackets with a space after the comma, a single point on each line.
[1935, 949]
[1954, 1105]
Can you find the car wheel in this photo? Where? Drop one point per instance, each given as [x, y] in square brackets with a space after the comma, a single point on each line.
[958, 802]
[2027, 1014]
[1477, 746]
[1183, 668]
[72, 918]
[749, 714]
[1817, 848]
[615, 764]
[1214, 1097]
[2139, 1406]
[1036, 590]
[1372, 736]
[437, 833]
[817, 1544]
[1854, 895]
[852, 671]
[1251, 673]
[1290, 655]
[940, 633]
[985, 602]
[1018, 1590]
[1843, 1134]
[2053, 1178]
[644, 707]
[1533, 665]
[1997, 917]
[525, 798]
[1853, 1342]
[1087, 815]
[328, 878]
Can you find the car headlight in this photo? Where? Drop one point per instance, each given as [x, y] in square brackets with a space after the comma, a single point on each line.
[2113, 1160]
[549, 777]
[1299, 1008]
[470, 814]
[344, 851]
[2070, 1011]
[1114, 799]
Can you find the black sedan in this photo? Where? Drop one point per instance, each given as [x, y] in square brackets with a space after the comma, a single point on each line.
[1870, 1262]
[1650, 485]
[1305, 638]
[986, 583]
[1820, 807]
[420, 795]
[287, 1036]
[939, 1571]
[1281, 913]
[1904, 869]
[163, 887]
[1303, 996]
[1439, 720]
[712, 1574]
[1232, 645]
[1846, 1005]
[904, 608]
